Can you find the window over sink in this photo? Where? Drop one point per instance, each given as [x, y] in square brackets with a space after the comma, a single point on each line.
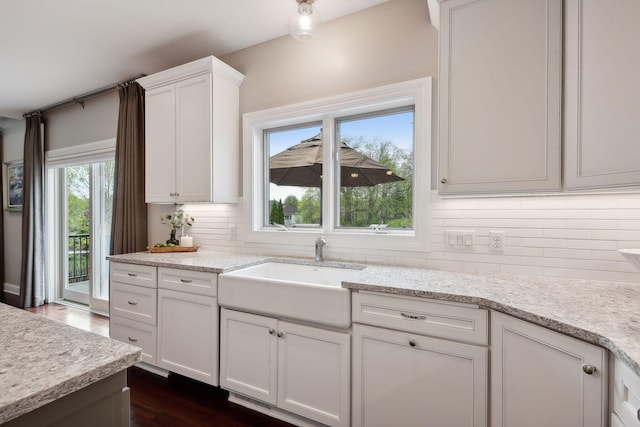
[374, 190]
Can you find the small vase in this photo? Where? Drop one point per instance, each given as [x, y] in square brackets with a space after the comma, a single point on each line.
[173, 238]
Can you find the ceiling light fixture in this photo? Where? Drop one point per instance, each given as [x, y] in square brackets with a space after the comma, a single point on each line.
[305, 23]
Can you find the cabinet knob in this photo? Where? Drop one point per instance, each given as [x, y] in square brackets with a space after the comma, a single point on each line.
[412, 342]
[272, 331]
[588, 369]
[443, 180]
[280, 334]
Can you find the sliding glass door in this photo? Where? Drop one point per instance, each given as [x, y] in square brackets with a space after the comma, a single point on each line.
[85, 197]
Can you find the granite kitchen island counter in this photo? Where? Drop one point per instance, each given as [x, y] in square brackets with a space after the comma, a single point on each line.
[42, 361]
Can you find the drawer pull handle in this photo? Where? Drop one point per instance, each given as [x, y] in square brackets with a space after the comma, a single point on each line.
[132, 274]
[413, 316]
[412, 342]
[132, 303]
[588, 369]
[272, 331]
[186, 280]
[132, 339]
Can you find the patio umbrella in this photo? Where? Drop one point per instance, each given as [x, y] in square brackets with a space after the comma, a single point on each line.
[301, 166]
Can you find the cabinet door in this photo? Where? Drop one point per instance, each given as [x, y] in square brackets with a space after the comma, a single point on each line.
[248, 354]
[403, 379]
[314, 373]
[193, 139]
[160, 134]
[500, 96]
[188, 335]
[601, 93]
[537, 377]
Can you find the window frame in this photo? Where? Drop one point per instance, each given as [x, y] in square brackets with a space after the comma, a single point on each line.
[414, 92]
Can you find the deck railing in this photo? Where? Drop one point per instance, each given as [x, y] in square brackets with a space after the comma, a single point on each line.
[78, 247]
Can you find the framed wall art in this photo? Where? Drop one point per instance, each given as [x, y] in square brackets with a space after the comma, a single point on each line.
[13, 179]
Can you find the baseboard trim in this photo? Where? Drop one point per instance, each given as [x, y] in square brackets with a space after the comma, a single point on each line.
[270, 410]
[10, 288]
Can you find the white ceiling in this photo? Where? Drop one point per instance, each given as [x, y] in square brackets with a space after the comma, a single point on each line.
[54, 50]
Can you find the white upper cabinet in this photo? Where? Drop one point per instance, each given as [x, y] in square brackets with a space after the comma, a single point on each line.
[192, 133]
[500, 96]
[602, 65]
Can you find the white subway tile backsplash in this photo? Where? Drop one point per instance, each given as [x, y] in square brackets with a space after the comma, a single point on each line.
[616, 214]
[615, 235]
[544, 223]
[563, 233]
[628, 224]
[575, 236]
[544, 243]
[592, 224]
[592, 244]
[567, 213]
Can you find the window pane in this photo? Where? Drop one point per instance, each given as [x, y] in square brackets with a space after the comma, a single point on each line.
[78, 189]
[376, 170]
[294, 166]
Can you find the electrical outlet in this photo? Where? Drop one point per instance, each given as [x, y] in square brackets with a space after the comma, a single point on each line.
[496, 241]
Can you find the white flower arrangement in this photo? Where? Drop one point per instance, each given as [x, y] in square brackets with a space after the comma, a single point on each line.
[177, 220]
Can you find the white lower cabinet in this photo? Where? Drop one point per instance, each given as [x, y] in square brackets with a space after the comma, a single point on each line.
[626, 396]
[132, 307]
[188, 335]
[300, 369]
[543, 378]
[407, 380]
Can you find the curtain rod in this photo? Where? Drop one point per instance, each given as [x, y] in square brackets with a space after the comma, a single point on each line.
[80, 99]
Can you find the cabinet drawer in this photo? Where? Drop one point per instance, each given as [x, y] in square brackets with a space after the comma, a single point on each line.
[421, 316]
[194, 282]
[133, 274]
[135, 333]
[133, 302]
[626, 395]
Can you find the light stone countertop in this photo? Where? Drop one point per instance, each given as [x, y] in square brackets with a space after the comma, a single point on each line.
[42, 360]
[202, 260]
[602, 313]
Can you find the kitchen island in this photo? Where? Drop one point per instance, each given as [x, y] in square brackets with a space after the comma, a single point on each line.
[51, 373]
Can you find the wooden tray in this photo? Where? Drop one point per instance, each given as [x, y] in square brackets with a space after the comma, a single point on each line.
[154, 250]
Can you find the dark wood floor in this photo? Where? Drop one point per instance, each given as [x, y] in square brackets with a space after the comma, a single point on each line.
[166, 402]
[73, 316]
[179, 401]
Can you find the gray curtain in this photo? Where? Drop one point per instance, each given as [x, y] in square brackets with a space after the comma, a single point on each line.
[32, 273]
[129, 218]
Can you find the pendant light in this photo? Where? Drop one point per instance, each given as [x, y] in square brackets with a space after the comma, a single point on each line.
[305, 23]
